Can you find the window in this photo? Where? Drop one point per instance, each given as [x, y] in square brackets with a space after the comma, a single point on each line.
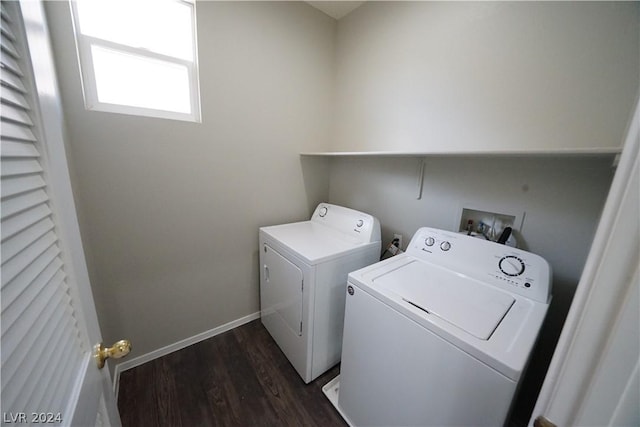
[139, 57]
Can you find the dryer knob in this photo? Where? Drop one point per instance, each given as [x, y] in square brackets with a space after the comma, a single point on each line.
[445, 246]
[360, 223]
[323, 211]
[429, 241]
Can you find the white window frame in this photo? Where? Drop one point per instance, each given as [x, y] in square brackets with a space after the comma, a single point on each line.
[87, 73]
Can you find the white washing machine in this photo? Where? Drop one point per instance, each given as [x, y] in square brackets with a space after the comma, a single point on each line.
[303, 278]
[440, 335]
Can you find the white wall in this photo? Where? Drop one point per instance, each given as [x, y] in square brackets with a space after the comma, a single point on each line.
[170, 210]
[466, 76]
[562, 197]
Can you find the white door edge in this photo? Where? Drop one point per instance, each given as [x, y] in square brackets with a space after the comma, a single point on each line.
[596, 300]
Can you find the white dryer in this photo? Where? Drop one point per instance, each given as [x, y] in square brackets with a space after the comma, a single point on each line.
[440, 335]
[304, 267]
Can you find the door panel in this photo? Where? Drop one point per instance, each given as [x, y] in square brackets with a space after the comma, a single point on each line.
[49, 322]
[282, 289]
[594, 368]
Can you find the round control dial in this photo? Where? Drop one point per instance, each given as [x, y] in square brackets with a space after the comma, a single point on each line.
[429, 241]
[323, 211]
[360, 223]
[445, 246]
[511, 265]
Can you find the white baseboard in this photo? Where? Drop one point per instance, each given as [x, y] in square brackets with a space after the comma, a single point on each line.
[137, 361]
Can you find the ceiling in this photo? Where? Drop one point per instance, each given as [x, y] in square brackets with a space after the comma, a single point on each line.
[336, 9]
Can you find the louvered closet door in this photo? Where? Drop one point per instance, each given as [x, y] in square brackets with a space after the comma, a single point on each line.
[44, 351]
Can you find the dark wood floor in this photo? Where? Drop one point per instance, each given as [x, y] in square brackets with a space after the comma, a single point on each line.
[239, 378]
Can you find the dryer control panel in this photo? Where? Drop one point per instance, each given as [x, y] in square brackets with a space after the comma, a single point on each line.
[512, 269]
[362, 227]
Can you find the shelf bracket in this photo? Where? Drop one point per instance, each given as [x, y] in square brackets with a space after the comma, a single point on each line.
[420, 178]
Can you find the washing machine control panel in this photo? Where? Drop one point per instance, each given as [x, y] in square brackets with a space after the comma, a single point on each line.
[430, 241]
[498, 265]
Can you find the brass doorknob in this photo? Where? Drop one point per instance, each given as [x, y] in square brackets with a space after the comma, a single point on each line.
[116, 351]
[541, 421]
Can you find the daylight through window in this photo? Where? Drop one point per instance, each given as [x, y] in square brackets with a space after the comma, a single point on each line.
[139, 57]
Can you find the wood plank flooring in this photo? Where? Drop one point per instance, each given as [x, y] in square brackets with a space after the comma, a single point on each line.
[238, 378]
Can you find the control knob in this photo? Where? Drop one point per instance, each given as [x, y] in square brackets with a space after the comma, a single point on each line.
[323, 211]
[429, 241]
[511, 265]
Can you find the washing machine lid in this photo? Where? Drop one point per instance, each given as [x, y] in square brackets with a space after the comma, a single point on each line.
[314, 242]
[464, 302]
